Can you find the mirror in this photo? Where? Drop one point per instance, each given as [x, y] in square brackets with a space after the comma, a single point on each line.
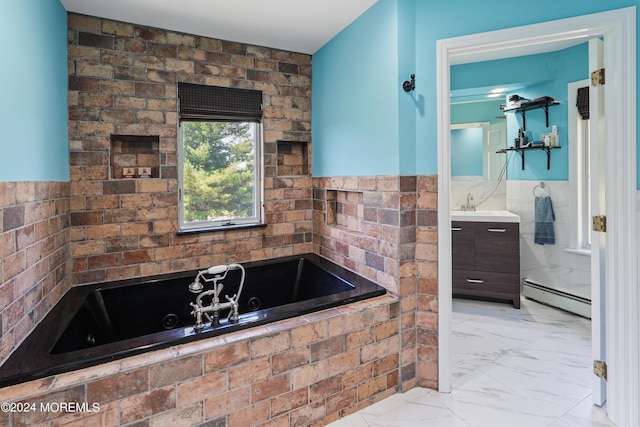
[478, 131]
[478, 144]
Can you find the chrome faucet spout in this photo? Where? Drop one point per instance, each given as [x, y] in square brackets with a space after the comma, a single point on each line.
[469, 206]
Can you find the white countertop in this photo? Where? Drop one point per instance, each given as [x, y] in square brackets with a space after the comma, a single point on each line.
[484, 216]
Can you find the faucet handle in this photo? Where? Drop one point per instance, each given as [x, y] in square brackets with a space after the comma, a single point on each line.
[217, 289]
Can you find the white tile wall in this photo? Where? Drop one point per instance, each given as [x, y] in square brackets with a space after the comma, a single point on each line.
[491, 195]
[549, 265]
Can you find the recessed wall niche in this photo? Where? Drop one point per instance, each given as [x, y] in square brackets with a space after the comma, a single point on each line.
[293, 159]
[345, 209]
[135, 156]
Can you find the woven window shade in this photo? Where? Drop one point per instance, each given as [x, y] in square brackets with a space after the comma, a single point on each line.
[200, 102]
[582, 102]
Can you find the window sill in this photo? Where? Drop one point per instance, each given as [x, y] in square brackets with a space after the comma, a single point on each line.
[581, 252]
[220, 228]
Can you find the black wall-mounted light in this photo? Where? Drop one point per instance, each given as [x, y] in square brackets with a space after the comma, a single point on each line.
[408, 86]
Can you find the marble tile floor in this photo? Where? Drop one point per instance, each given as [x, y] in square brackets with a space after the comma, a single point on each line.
[510, 368]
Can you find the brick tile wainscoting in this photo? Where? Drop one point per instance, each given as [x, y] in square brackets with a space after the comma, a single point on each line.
[35, 263]
[427, 277]
[385, 228]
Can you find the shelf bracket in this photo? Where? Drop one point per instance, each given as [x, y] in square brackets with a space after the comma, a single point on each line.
[546, 114]
[524, 120]
[522, 155]
[522, 150]
[544, 104]
[548, 150]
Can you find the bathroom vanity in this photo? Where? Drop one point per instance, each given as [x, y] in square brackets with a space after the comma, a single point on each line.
[486, 255]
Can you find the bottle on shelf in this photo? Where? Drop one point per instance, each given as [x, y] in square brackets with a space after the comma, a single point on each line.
[555, 142]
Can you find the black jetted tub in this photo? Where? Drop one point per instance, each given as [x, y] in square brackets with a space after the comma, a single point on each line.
[96, 323]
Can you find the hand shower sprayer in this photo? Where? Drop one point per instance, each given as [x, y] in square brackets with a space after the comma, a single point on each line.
[196, 287]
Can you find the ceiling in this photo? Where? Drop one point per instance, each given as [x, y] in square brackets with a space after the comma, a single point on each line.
[294, 25]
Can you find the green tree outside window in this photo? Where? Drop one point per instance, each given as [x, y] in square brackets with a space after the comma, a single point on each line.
[218, 170]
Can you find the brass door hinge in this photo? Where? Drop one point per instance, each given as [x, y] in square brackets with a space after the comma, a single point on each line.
[600, 223]
[597, 77]
[600, 369]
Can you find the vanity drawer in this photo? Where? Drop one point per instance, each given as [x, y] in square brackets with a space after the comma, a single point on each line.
[483, 283]
[497, 247]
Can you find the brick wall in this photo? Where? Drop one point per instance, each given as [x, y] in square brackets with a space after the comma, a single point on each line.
[34, 255]
[299, 372]
[389, 234]
[123, 81]
[427, 281]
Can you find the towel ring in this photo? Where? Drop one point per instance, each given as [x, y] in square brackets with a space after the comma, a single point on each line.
[545, 190]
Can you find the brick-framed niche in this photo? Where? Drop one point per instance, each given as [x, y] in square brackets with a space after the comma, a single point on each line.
[134, 156]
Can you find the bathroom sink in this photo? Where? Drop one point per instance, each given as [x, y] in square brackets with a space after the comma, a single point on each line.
[484, 216]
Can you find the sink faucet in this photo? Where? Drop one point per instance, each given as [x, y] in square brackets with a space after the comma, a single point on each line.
[219, 272]
[469, 206]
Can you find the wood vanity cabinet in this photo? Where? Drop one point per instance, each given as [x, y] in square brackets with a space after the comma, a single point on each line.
[486, 260]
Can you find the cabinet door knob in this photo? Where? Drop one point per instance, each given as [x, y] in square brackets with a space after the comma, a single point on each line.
[475, 281]
[456, 228]
[496, 230]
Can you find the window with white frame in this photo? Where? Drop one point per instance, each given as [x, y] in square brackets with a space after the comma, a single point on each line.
[220, 157]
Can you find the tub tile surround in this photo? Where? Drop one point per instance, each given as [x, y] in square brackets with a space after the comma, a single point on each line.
[305, 371]
[35, 262]
[302, 372]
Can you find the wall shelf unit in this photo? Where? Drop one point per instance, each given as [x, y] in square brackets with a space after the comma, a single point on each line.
[544, 104]
[523, 150]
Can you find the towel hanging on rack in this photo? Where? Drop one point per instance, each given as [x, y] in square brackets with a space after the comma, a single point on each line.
[544, 216]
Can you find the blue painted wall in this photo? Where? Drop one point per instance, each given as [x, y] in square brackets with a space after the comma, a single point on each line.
[33, 81]
[337, 129]
[409, 102]
[466, 144]
[355, 100]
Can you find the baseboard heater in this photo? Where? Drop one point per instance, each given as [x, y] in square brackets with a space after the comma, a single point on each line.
[555, 298]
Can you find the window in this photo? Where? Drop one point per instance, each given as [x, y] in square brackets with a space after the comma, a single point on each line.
[579, 168]
[584, 183]
[220, 157]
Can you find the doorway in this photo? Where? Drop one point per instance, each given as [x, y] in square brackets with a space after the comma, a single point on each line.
[618, 29]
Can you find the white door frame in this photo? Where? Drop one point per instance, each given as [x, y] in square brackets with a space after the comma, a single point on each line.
[619, 30]
[598, 206]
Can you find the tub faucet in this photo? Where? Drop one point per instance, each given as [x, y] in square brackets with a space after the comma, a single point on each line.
[217, 273]
[469, 206]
